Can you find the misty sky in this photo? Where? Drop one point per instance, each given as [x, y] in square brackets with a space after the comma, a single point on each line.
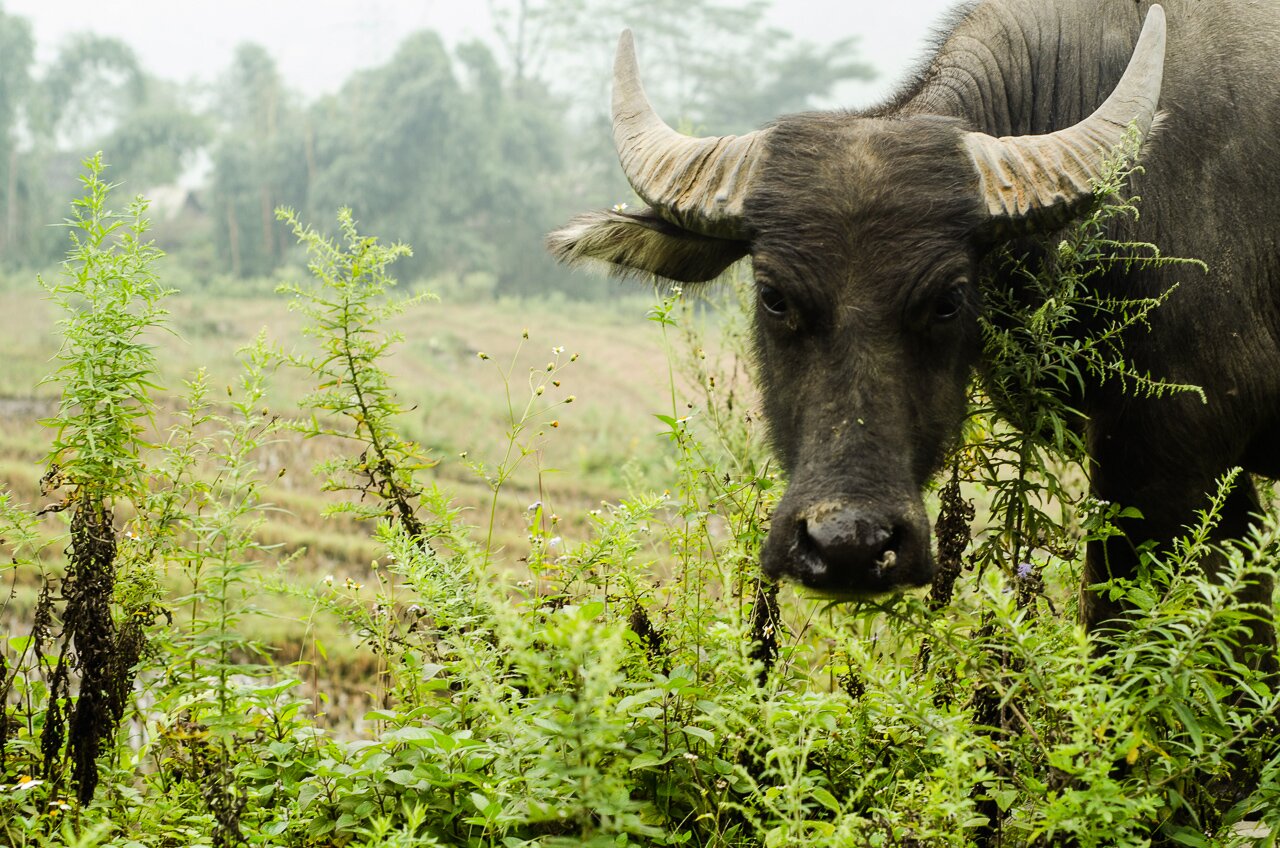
[318, 43]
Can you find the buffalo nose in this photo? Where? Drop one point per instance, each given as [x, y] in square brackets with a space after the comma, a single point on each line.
[854, 539]
[847, 548]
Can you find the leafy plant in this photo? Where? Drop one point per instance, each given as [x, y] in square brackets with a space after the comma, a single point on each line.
[348, 315]
[1049, 329]
[111, 298]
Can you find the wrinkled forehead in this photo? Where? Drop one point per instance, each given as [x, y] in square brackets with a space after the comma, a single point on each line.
[838, 182]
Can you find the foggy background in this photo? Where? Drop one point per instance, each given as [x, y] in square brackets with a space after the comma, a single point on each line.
[318, 45]
[465, 129]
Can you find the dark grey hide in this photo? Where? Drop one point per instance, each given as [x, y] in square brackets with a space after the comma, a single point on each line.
[865, 230]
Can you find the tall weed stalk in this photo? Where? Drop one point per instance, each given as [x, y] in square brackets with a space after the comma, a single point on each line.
[111, 299]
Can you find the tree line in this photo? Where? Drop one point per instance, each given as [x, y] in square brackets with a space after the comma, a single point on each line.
[470, 154]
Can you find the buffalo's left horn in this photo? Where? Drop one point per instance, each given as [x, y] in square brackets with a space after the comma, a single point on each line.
[695, 183]
[1034, 176]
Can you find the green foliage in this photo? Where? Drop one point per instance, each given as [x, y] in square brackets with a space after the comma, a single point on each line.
[1046, 336]
[637, 685]
[347, 314]
[91, 94]
[111, 298]
[154, 143]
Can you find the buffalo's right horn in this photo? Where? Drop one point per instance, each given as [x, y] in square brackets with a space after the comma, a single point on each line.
[1033, 176]
[695, 183]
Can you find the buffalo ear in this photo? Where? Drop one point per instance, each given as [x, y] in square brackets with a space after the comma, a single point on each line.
[639, 242]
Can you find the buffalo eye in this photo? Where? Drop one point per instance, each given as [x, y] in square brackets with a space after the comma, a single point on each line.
[948, 304]
[773, 301]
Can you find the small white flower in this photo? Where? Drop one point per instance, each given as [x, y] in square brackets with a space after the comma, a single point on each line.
[620, 207]
[328, 580]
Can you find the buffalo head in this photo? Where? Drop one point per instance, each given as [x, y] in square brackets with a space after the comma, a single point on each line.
[864, 234]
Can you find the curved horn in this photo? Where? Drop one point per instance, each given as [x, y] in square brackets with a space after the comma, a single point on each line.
[695, 183]
[1025, 176]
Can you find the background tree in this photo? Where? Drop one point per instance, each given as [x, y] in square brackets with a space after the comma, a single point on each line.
[705, 61]
[469, 154]
[159, 138]
[261, 161]
[17, 51]
[445, 155]
[91, 87]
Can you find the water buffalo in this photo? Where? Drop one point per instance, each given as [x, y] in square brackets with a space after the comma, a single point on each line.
[866, 230]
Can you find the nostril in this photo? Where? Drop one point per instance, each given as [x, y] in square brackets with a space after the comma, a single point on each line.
[889, 553]
[810, 552]
[894, 541]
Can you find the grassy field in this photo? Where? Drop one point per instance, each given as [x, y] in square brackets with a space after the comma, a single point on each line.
[604, 445]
